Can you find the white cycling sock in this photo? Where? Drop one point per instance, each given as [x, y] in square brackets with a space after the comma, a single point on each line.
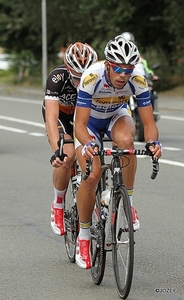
[130, 192]
[59, 197]
[84, 233]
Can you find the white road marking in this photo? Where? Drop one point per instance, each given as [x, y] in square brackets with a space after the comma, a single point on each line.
[171, 162]
[22, 121]
[37, 134]
[172, 149]
[165, 161]
[17, 130]
[172, 118]
[29, 101]
[13, 129]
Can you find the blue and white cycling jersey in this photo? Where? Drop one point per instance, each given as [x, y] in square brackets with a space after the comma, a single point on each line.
[97, 93]
[107, 103]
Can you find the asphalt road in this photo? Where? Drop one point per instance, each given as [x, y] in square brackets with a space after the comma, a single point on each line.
[33, 261]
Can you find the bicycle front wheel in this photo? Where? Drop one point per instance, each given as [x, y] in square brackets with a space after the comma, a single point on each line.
[71, 223]
[123, 246]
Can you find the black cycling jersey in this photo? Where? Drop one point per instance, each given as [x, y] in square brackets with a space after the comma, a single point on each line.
[60, 88]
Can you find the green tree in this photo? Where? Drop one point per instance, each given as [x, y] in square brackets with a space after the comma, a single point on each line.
[173, 16]
[157, 26]
[20, 26]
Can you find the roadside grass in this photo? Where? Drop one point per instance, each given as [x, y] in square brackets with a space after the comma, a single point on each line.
[12, 77]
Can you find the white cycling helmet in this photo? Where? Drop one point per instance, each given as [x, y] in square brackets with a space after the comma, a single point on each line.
[79, 57]
[120, 51]
[128, 36]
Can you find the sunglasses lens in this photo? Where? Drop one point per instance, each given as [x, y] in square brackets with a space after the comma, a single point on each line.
[117, 69]
[128, 71]
[120, 70]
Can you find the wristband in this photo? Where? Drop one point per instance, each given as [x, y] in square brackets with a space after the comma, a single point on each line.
[92, 144]
[153, 143]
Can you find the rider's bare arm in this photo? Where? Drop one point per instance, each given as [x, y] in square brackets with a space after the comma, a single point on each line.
[81, 119]
[82, 134]
[52, 114]
[150, 129]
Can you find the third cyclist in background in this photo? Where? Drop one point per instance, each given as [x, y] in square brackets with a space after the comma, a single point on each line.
[143, 64]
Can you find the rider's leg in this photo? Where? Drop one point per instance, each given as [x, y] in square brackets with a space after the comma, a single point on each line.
[86, 192]
[61, 178]
[122, 133]
[85, 205]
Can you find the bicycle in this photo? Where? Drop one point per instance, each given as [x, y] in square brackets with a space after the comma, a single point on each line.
[115, 233]
[112, 233]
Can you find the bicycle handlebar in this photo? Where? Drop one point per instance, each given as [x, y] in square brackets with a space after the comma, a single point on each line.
[108, 152]
[122, 152]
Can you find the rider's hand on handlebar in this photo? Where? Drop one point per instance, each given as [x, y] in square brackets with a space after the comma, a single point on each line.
[57, 160]
[89, 149]
[155, 149]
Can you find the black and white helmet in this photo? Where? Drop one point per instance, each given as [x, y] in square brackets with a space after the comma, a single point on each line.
[120, 51]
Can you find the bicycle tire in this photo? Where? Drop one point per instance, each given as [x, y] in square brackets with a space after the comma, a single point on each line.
[97, 243]
[123, 247]
[71, 224]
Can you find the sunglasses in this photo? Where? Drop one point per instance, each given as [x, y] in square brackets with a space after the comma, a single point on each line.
[74, 76]
[120, 70]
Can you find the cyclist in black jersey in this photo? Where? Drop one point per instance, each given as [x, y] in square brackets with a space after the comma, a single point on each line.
[58, 110]
[102, 105]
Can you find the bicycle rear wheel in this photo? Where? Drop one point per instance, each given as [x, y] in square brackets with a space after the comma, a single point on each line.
[71, 223]
[123, 248]
[97, 244]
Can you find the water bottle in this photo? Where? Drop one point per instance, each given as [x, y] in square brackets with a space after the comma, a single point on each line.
[105, 198]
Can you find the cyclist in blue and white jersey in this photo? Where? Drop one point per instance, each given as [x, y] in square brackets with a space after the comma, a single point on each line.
[104, 90]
